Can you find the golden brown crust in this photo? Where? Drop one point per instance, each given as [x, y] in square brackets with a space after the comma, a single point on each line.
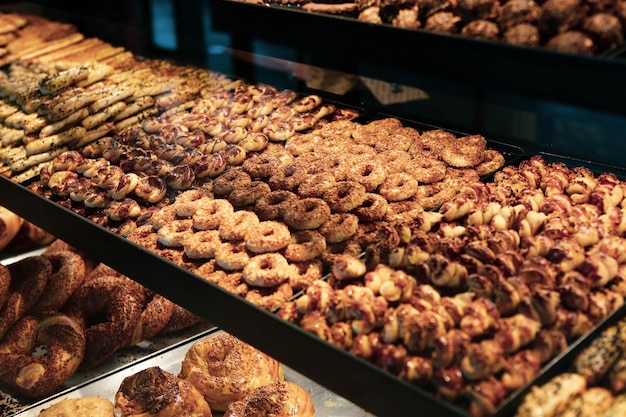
[28, 280]
[159, 393]
[70, 407]
[278, 399]
[116, 298]
[68, 273]
[225, 369]
[38, 376]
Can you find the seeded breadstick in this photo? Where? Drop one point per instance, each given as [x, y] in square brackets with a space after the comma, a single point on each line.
[116, 95]
[19, 119]
[53, 141]
[10, 155]
[7, 109]
[103, 115]
[94, 134]
[62, 124]
[11, 136]
[133, 107]
[97, 72]
[71, 105]
[35, 160]
[167, 100]
[34, 124]
[132, 120]
[29, 173]
[62, 79]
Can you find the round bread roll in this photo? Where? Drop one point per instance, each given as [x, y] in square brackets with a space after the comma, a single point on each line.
[86, 406]
[225, 369]
[158, 393]
[278, 399]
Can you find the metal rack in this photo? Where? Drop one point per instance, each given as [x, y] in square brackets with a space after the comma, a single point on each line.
[530, 72]
[337, 42]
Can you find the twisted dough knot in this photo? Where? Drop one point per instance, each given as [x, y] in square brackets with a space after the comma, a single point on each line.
[608, 192]
[360, 305]
[393, 285]
[556, 179]
[482, 316]
[482, 359]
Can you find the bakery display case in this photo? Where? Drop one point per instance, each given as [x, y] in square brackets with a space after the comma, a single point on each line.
[479, 74]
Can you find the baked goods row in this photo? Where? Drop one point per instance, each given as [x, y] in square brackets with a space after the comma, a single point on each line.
[592, 385]
[61, 89]
[264, 191]
[62, 312]
[472, 304]
[573, 26]
[216, 374]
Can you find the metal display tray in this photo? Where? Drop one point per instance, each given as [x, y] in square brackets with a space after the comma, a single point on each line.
[345, 43]
[326, 403]
[350, 377]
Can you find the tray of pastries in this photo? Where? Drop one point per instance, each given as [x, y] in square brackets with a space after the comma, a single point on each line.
[447, 268]
[210, 373]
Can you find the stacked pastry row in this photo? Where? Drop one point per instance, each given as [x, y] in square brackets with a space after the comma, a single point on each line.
[573, 26]
[218, 373]
[77, 309]
[62, 91]
[237, 203]
[471, 300]
[594, 385]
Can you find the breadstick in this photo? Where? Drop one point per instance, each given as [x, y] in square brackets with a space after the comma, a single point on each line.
[62, 79]
[37, 159]
[97, 73]
[103, 115]
[10, 155]
[133, 107]
[52, 46]
[179, 108]
[34, 124]
[71, 105]
[122, 60]
[11, 136]
[29, 173]
[18, 119]
[6, 26]
[153, 88]
[168, 100]
[70, 120]
[132, 120]
[53, 141]
[95, 134]
[6, 38]
[59, 54]
[5, 170]
[7, 109]
[116, 95]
